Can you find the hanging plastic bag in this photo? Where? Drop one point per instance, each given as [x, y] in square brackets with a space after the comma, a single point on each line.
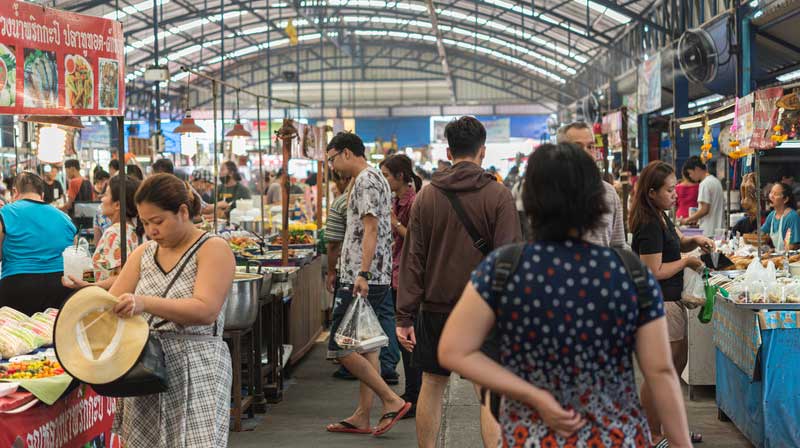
[360, 330]
[711, 291]
[694, 293]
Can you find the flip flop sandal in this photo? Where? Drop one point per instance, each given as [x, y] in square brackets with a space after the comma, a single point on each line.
[395, 416]
[662, 444]
[347, 427]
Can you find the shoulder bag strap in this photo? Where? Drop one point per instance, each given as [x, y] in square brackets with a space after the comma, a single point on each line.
[638, 272]
[188, 256]
[478, 242]
[505, 265]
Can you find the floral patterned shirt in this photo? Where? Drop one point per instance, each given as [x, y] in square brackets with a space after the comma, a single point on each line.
[107, 256]
[370, 195]
[567, 323]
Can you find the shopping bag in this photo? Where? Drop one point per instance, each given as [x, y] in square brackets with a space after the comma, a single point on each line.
[711, 291]
[360, 330]
[694, 293]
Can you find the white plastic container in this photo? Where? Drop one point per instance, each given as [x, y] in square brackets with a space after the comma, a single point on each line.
[76, 261]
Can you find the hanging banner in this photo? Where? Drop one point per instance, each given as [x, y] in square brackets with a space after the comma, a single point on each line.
[649, 90]
[744, 117]
[764, 117]
[612, 125]
[59, 63]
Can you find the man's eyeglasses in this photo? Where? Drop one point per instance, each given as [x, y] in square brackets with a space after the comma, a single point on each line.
[333, 157]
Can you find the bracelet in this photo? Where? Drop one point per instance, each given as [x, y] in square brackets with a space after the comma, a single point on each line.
[133, 297]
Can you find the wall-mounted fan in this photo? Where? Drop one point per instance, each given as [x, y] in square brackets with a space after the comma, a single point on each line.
[706, 55]
[697, 56]
[591, 109]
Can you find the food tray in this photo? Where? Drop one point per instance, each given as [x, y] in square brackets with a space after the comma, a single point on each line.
[291, 246]
[764, 306]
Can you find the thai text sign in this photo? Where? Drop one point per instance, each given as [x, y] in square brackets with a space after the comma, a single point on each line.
[59, 63]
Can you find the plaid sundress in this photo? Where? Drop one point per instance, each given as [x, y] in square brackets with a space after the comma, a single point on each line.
[195, 410]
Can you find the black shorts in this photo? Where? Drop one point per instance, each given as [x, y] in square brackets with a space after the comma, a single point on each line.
[428, 330]
[31, 293]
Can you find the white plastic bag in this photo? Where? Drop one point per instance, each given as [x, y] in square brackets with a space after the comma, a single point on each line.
[694, 293]
[360, 330]
[757, 272]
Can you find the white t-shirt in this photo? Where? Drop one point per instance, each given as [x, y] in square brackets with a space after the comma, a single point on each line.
[712, 194]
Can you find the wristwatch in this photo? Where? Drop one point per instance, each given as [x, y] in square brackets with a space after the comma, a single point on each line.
[366, 275]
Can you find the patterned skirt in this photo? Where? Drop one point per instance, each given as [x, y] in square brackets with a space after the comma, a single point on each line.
[195, 409]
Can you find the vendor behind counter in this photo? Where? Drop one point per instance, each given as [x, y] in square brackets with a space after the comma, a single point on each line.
[33, 236]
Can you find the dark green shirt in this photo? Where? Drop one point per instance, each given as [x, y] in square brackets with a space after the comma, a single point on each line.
[232, 194]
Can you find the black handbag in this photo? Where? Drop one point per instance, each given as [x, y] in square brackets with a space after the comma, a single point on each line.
[149, 375]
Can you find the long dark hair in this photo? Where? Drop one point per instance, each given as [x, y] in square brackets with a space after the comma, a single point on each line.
[401, 164]
[233, 171]
[167, 192]
[131, 185]
[652, 178]
[563, 191]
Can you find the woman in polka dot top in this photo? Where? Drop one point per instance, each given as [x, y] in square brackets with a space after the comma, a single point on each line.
[569, 321]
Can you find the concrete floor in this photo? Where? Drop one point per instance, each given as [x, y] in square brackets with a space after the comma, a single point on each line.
[313, 399]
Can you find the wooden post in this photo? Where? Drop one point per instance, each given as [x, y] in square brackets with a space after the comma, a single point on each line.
[624, 178]
[286, 133]
[123, 205]
[320, 167]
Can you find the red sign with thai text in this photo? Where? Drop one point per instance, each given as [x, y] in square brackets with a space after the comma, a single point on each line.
[79, 419]
[54, 62]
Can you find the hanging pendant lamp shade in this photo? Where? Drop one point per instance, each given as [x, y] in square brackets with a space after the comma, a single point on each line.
[188, 125]
[65, 121]
[238, 131]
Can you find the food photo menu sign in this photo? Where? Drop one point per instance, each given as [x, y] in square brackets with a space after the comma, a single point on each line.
[54, 62]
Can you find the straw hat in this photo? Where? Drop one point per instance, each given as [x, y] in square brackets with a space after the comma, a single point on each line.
[92, 343]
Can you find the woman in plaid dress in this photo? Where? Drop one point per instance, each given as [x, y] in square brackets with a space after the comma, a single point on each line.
[180, 277]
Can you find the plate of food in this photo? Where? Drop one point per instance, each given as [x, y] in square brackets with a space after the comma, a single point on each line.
[108, 90]
[41, 78]
[8, 76]
[79, 82]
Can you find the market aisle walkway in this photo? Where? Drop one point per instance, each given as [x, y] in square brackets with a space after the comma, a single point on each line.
[313, 399]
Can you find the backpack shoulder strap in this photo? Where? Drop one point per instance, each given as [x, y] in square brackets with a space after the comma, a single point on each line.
[478, 242]
[638, 271]
[505, 265]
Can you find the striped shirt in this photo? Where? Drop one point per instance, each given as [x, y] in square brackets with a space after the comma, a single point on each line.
[336, 224]
[610, 231]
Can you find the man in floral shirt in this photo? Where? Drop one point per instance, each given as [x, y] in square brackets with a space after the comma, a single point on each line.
[366, 271]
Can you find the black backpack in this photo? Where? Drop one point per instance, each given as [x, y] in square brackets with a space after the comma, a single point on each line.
[506, 264]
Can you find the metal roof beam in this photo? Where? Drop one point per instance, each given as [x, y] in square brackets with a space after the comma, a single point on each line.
[442, 52]
[319, 28]
[634, 16]
[500, 83]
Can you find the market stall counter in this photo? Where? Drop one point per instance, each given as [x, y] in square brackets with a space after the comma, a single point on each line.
[756, 385]
[40, 404]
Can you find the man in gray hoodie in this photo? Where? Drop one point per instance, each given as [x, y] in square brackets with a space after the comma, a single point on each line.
[455, 221]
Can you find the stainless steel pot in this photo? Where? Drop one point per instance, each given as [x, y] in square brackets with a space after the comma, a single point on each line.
[256, 227]
[241, 305]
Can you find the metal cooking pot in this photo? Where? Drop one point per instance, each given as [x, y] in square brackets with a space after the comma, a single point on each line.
[241, 305]
[256, 227]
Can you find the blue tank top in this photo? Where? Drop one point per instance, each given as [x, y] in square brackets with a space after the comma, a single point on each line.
[35, 235]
